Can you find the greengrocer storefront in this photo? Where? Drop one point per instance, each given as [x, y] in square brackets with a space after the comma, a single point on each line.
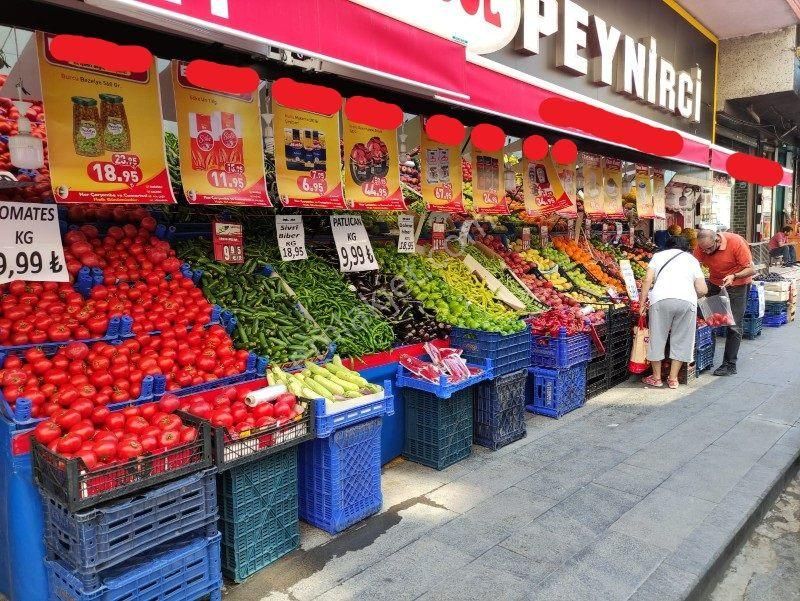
[253, 251]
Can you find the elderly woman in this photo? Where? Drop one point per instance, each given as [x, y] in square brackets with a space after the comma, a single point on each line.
[676, 280]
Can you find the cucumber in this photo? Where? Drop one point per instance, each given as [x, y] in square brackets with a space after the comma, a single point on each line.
[333, 387]
[319, 390]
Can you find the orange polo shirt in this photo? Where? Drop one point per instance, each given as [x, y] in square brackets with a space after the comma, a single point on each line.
[732, 256]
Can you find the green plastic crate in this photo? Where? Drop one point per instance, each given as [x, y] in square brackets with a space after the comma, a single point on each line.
[438, 431]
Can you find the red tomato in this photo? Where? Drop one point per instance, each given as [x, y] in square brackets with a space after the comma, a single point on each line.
[129, 449]
[68, 419]
[46, 432]
[136, 424]
[149, 410]
[188, 434]
[201, 409]
[149, 443]
[168, 403]
[83, 406]
[170, 422]
[115, 421]
[83, 429]
[220, 417]
[69, 443]
[105, 450]
[170, 439]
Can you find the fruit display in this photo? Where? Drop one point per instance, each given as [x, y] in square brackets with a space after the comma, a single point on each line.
[449, 303]
[332, 381]
[558, 257]
[579, 279]
[579, 255]
[498, 269]
[538, 258]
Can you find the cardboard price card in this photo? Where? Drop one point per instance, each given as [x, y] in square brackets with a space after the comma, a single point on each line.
[30, 243]
[104, 133]
[291, 237]
[220, 143]
[592, 185]
[488, 194]
[441, 178]
[405, 241]
[352, 243]
[612, 188]
[659, 194]
[541, 187]
[228, 242]
[644, 192]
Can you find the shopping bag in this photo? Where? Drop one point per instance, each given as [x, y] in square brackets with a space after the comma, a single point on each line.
[716, 309]
[641, 338]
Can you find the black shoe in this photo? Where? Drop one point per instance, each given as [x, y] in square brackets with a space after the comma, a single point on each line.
[726, 369]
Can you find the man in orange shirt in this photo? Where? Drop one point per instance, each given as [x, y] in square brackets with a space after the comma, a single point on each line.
[730, 265]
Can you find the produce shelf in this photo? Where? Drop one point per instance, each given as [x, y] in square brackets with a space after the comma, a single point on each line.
[443, 389]
[499, 411]
[330, 416]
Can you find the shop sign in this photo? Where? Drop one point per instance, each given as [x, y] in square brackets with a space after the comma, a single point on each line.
[644, 192]
[228, 242]
[612, 188]
[104, 134]
[541, 187]
[659, 194]
[440, 175]
[488, 197]
[593, 185]
[405, 241]
[352, 243]
[291, 237]
[30, 243]
[220, 143]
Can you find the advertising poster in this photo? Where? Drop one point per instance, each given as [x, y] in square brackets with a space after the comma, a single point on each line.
[593, 185]
[308, 176]
[440, 176]
[220, 144]
[104, 134]
[659, 194]
[644, 192]
[612, 188]
[488, 194]
[372, 169]
[542, 188]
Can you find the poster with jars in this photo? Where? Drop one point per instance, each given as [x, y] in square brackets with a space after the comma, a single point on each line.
[488, 188]
[440, 176]
[104, 128]
[220, 144]
[659, 194]
[306, 124]
[372, 164]
[644, 192]
[542, 188]
[612, 188]
[592, 185]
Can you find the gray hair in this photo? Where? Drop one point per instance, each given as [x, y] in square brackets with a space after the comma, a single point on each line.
[706, 234]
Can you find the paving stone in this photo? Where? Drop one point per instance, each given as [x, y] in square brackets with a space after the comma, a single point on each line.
[479, 581]
[595, 506]
[631, 479]
[697, 553]
[522, 566]
[732, 512]
[511, 508]
[667, 583]
[471, 536]
[780, 456]
[710, 475]
[759, 480]
[752, 437]
[791, 437]
[783, 407]
[552, 538]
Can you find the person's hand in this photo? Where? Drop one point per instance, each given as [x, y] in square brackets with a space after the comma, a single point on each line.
[642, 310]
[728, 280]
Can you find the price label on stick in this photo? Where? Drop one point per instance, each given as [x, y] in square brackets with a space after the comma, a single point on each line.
[291, 237]
[352, 243]
[405, 243]
[30, 243]
[630, 280]
[463, 234]
[545, 235]
[526, 238]
[228, 241]
[437, 235]
[619, 233]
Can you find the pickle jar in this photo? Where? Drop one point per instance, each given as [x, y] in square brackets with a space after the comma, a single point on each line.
[86, 127]
[116, 134]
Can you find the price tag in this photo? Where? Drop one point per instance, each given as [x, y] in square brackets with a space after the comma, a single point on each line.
[228, 242]
[632, 236]
[463, 234]
[291, 237]
[526, 238]
[630, 280]
[405, 243]
[30, 243]
[587, 227]
[619, 233]
[352, 243]
[572, 227]
[437, 236]
[544, 233]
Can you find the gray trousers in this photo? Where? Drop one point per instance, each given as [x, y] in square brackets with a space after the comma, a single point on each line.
[674, 319]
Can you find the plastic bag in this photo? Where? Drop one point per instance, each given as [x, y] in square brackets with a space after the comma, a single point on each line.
[716, 309]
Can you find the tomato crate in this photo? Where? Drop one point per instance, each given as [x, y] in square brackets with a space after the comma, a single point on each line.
[232, 449]
[68, 480]
[97, 539]
[704, 336]
[330, 416]
[443, 389]
[752, 327]
[556, 392]
[508, 352]
[499, 411]
[258, 513]
[340, 477]
[256, 366]
[438, 432]
[560, 351]
[183, 570]
[704, 358]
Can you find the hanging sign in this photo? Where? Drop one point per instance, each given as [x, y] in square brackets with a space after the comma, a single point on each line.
[30, 243]
[220, 142]
[352, 243]
[542, 187]
[372, 171]
[405, 241]
[587, 227]
[104, 134]
[488, 197]
[659, 194]
[593, 185]
[291, 237]
[306, 124]
[571, 228]
[632, 236]
[644, 192]
[440, 166]
[612, 188]
[629, 279]
[567, 175]
[228, 242]
[526, 238]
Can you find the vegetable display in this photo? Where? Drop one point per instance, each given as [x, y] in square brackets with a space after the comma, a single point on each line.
[332, 381]
[498, 269]
[551, 322]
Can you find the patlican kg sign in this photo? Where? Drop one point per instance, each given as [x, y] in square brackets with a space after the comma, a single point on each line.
[632, 67]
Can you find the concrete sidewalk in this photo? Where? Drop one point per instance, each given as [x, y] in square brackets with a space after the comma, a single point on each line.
[635, 496]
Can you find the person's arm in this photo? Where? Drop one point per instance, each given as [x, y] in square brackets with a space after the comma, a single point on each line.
[647, 282]
[701, 287]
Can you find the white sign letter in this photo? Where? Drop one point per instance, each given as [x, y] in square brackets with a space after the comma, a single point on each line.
[666, 85]
[632, 69]
[685, 85]
[572, 38]
[607, 41]
[539, 19]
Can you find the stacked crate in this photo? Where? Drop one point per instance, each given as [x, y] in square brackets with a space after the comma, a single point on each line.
[753, 322]
[777, 305]
[499, 416]
[704, 348]
[792, 300]
[619, 345]
[557, 382]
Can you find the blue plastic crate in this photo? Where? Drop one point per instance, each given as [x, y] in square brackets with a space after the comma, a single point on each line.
[775, 321]
[258, 513]
[560, 352]
[507, 352]
[775, 308]
[94, 540]
[442, 389]
[555, 392]
[438, 431]
[704, 336]
[335, 416]
[704, 358]
[340, 477]
[499, 413]
[179, 571]
[752, 327]
[752, 302]
[256, 366]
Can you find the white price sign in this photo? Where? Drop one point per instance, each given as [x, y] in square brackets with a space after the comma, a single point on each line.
[405, 243]
[352, 243]
[587, 226]
[463, 234]
[526, 238]
[632, 236]
[544, 234]
[630, 279]
[30, 243]
[291, 237]
[619, 233]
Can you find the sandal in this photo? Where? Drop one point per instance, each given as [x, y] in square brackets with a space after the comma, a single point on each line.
[651, 381]
[673, 384]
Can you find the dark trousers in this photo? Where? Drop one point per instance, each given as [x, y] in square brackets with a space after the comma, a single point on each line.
[787, 252]
[738, 297]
